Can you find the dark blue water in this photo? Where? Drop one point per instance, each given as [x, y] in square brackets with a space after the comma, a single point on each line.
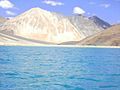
[49, 68]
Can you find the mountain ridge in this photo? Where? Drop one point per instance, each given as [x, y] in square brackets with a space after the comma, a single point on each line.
[100, 22]
[49, 27]
[86, 25]
[42, 25]
[109, 37]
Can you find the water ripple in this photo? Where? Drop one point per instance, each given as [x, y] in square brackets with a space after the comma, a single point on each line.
[49, 68]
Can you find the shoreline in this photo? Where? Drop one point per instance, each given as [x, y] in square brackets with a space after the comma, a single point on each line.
[66, 46]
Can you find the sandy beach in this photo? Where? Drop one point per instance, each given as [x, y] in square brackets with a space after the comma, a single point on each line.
[68, 46]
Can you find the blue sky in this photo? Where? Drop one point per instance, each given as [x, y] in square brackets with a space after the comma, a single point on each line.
[108, 10]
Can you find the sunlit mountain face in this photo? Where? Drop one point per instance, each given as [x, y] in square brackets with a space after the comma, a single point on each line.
[55, 22]
[42, 25]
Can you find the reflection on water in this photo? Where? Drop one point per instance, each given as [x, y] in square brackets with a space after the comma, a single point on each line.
[49, 68]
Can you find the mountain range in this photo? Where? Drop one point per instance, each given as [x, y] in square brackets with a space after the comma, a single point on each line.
[38, 26]
[109, 37]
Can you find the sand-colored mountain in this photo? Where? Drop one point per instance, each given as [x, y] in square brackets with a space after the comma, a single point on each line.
[38, 26]
[109, 37]
[42, 25]
[6, 39]
[2, 20]
[88, 25]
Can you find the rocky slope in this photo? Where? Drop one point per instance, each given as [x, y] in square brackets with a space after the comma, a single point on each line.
[88, 25]
[2, 20]
[46, 27]
[38, 24]
[109, 37]
[99, 22]
[6, 39]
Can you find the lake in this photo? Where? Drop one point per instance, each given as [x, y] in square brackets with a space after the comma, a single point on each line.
[52, 68]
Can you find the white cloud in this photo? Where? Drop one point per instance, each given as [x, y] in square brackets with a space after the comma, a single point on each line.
[10, 13]
[105, 5]
[6, 4]
[53, 3]
[78, 10]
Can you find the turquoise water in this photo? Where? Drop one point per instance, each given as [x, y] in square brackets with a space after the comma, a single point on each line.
[50, 68]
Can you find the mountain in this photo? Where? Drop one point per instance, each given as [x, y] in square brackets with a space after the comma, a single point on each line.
[2, 20]
[7, 39]
[109, 37]
[43, 27]
[39, 24]
[99, 22]
[88, 26]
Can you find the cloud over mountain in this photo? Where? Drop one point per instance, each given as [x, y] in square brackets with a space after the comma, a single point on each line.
[6, 4]
[78, 10]
[53, 3]
[10, 13]
[105, 5]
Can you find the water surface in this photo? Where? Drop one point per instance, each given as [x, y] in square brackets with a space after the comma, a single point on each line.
[52, 68]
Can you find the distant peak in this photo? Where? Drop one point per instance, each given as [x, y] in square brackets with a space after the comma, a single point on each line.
[94, 17]
[36, 9]
[78, 14]
[100, 22]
